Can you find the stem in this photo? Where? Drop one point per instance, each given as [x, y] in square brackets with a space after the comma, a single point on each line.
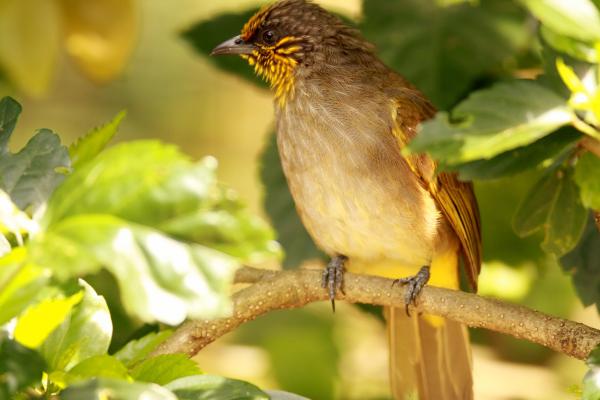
[273, 290]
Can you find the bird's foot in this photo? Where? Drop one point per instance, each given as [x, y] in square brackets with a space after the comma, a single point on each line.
[415, 285]
[333, 277]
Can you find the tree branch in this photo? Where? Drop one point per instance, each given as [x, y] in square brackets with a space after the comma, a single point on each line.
[273, 290]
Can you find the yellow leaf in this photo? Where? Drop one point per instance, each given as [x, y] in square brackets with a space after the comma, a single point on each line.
[39, 320]
[100, 35]
[569, 77]
[29, 43]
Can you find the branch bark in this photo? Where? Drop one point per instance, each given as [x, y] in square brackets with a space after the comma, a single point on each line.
[273, 290]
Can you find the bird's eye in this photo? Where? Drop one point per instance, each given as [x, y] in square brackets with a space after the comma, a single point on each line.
[269, 36]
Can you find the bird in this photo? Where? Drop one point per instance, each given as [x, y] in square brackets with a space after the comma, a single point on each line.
[343, 121]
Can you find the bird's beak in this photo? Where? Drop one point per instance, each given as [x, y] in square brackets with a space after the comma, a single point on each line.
[234, 45]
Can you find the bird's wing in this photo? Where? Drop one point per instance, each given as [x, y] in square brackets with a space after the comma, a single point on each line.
[454, 198]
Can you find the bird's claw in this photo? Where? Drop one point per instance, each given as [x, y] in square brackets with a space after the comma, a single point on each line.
[415, 285]
[333, 277]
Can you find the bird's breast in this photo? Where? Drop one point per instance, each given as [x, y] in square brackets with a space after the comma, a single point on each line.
[353, 190]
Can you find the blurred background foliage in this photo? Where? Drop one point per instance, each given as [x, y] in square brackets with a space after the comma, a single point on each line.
[73, 64]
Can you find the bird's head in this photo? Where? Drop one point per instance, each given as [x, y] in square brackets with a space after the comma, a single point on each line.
[289, 36]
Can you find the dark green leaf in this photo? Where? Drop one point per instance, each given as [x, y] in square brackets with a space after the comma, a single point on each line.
[137, 350]
[593, 359]
[165, 368]
[9, 113]
[553, 205]
[587, 176]
[86, 332]
[520, 159]
[100, 366]
[90, 145]
[30, 175]
[99, 389]
[579, 19]
[444, 50]
[492, 121]
[19, 367]
[209, 387]
[207, 35]
[584, 266]
[279, 205]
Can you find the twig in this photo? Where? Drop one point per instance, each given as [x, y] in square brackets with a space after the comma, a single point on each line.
[590, 144]
[272, 290]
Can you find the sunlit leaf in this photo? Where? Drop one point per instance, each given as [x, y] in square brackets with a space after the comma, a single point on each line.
[39, 320]
[280, 206]
[568, 45]
[90, 145]
[19, 367]
[100, 366]
[492, 121]
[86, 332]
[21, 284]
[208, 387]
[13, 220]
[161, 279]
[579, 19]
[279, 395]
[29, 43]
[165, 368]
[443, 50]
[99, 389]
[137, 350]
[100, 35]
[587, 176]
[553, 205]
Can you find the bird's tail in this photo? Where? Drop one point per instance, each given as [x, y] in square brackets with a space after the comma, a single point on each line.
[430, 359]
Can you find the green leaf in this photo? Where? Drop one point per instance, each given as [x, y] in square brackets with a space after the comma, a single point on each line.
[279, 395]
[591, 385]
[101, 389]
[86, 332]
[582, 264]
[161, 279]
[100, 366]
[492, 121]
[20, 367]
[206, 35]
[442, 50]
[39, 320]
[89, 146]
[553, 205]
[280, 207]
[587, 176]
[163, 189]
[579, 19]
[208, 387]
[9, 114]
[30, 175]
[137, 350]
[21, 284]
[573, 47]
[165, 368]
[520, 159]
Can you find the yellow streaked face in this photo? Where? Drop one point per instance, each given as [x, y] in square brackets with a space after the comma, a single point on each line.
[273, 55]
